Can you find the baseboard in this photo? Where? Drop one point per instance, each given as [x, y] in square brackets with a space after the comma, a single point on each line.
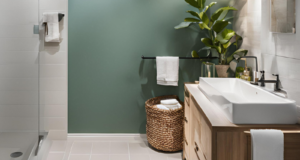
[105, 135]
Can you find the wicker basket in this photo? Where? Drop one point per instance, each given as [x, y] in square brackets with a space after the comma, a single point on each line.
[164, 127]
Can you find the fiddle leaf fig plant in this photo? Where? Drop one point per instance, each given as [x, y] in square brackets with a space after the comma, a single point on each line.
[219, 38]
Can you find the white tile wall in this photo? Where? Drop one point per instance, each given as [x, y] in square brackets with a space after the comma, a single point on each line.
[280, 53]
[54, 75]
[20, 70]
[247, 24]
[277, 53]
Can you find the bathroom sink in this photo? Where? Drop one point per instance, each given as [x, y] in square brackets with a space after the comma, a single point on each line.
[244, 103]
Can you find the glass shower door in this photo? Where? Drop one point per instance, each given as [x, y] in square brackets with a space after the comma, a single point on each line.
[19, 78]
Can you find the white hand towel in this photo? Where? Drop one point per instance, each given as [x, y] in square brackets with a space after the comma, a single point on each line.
[169, 101]
[50, 19]
[167, 70]
[267, 144]
[162, 107]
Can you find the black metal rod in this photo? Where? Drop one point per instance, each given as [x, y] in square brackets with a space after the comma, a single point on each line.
[183, 57]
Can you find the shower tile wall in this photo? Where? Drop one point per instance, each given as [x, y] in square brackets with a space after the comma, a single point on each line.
[19, 49]
[54, 75]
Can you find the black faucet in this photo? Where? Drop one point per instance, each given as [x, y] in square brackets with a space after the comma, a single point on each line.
[263, 81]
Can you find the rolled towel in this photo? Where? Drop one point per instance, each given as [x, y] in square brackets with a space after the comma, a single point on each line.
[162, 107]
[169, 102]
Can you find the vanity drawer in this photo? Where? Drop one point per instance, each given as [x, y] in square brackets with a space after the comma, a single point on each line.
[201, 133]
[186, 121]
[197, 153]
[186, 148]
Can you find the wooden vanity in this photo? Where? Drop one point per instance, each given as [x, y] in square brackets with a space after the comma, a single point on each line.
[209, 135]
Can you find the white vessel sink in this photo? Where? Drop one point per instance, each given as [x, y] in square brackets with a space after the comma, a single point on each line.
[244, 103]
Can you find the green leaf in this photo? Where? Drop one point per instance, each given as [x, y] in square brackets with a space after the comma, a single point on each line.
[219, 12]
[238, 41]
[214, 52]
[237, 54]
[225, 36]
[226, 45]
[216, 15]
[204, 18]
[218, 48]
[203, 26]
[232, 65]
[194, 54]
[223, 15]
[218, 26]
[201, 3]
[195, 14]
[183, 25]
[204, 54]
[208, 42]
[209, 6]
[228, 19]
[192, 3]
[191, 20]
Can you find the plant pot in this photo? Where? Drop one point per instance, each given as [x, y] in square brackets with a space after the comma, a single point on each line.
[222, 71]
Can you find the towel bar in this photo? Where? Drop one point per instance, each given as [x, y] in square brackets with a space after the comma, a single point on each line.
[284, 132]
[60, 16]
[184, 57]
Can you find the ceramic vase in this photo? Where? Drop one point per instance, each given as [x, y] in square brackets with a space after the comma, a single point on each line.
[222, 71]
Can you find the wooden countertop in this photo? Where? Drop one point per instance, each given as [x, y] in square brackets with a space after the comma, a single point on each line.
[217, 118]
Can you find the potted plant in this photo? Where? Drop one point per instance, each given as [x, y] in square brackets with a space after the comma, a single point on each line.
[220, 41]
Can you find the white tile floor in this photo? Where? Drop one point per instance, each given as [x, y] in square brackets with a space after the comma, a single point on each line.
[106, 149]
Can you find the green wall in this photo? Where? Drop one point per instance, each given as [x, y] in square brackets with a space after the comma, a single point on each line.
[108, 80]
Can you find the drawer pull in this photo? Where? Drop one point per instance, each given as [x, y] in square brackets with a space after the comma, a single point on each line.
[186, 93]
[197, 154]
[185, 119]
[196, 148]
[186, 141]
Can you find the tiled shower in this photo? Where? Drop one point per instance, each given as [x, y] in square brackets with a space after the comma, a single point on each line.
[33, 77]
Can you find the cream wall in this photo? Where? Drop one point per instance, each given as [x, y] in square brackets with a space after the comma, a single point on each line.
[54, 75]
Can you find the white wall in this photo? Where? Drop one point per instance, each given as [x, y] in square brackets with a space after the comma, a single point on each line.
[277, 53]
[19, 49]
[280, 53]
[54, 75]
[247, 23]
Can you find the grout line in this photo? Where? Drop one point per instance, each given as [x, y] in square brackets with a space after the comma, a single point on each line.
[109, 150]
[92, 150]
[275, 55]
[71, 150]
[128, 150]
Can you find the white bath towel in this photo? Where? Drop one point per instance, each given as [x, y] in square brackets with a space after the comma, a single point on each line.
[169, 101]
[162, 107]
[173, 106]
[167, 70]
[50, 19]
[267, 144]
